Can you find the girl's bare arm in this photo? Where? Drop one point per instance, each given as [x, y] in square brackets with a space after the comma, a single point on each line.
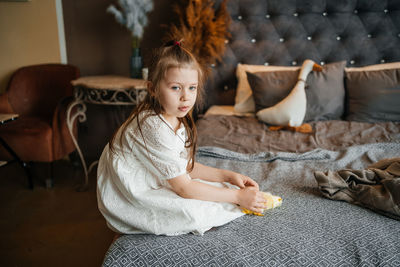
[247, 197]
[211, 174]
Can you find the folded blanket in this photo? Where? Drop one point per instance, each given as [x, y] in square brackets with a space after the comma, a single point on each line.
[377, 187]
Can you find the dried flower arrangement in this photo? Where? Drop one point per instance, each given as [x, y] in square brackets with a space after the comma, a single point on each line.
[202, 28]
[133, 15]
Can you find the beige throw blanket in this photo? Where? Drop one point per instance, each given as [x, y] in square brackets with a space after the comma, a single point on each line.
[377, 187]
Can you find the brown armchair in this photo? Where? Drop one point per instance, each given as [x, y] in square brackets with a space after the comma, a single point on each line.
[39, 94]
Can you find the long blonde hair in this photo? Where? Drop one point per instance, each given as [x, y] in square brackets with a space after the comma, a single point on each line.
[171, 55]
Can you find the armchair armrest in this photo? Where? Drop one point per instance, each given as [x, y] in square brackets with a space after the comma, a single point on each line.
[62, 139]
[5, 106]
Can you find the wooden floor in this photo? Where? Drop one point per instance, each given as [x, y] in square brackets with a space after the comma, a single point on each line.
[50, 227]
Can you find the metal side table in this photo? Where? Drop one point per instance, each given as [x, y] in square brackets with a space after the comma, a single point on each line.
[101, 90]
[5, 118]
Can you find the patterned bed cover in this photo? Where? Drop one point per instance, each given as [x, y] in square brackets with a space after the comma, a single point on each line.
[308, 229]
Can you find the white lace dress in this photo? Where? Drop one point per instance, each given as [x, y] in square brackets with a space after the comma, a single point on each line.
[132, 191]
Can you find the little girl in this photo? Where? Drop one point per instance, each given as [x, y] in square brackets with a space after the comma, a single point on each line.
[148, 180]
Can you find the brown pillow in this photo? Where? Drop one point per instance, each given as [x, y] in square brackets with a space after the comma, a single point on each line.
[373, 96]
[324, 90]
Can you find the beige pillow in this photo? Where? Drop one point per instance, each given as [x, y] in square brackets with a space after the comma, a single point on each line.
[225, 110]
[244, 101]
[393, 65]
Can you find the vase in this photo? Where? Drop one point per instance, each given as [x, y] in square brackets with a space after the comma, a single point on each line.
[136, 63]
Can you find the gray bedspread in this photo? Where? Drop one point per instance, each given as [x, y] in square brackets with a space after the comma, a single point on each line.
[307, 230]
[376, 187]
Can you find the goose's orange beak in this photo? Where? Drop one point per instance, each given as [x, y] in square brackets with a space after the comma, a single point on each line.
[317, 67]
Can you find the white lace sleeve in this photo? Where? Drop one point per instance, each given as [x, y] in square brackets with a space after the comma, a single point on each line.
[161, 151]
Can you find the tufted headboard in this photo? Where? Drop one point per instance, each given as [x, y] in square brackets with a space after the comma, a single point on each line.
[286, 32]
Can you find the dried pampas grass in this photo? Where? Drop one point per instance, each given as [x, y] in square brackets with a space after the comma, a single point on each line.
[202, 29]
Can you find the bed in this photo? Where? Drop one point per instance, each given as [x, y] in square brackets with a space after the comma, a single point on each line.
[354, 145]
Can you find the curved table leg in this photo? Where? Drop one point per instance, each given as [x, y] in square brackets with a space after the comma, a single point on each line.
[81, 115]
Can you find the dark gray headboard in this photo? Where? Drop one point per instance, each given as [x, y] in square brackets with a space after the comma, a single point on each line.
[286, 32]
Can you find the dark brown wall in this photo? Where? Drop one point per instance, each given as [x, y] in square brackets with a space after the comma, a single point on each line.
[98, 45]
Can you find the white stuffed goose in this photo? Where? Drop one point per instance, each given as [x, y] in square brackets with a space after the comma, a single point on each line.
[292, 109]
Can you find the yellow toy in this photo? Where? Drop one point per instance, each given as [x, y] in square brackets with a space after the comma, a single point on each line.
[272, 202]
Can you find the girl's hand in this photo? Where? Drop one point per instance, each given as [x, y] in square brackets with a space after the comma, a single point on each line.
[242, 180]
[252, 199]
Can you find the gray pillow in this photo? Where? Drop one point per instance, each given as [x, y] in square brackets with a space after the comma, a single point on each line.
[324, 90]
[373, 96]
